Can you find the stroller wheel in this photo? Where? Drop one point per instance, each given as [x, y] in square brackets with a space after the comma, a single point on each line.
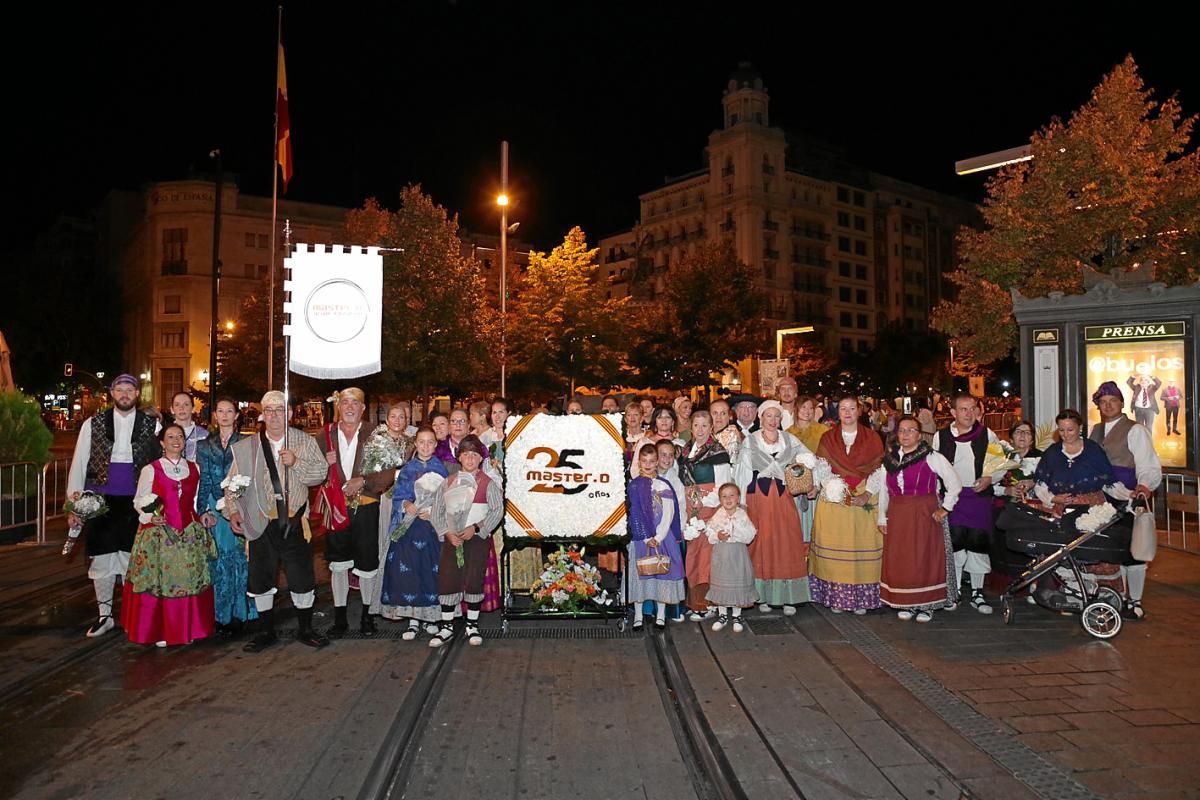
[1006, 609]
[1101, 620]
[1113, 598]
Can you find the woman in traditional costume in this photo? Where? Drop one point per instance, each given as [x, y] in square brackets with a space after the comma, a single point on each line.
[809, 432]
[662, 428]
[392, 438]
[917, 556]
[724, 431]
[654, 530]
[230, 571]
[168, 595]
[778, 552]
[703, 467]
[847, 547]
[409, 585]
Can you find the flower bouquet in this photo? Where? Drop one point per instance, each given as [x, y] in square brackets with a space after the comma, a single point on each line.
[1096, 517]
[1023, 472]
[694, 529]
[1000, 457]
[836, 490]
[461, 509]
[85, 505]
[235, 486]
[149, 503]
[424, 488]
[568, 583]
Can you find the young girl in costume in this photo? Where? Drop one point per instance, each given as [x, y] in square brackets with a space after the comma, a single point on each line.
[731, 578]
[654, 526]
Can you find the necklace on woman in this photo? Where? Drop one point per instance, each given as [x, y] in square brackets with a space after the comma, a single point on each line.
[176, 470]
[1071, 458]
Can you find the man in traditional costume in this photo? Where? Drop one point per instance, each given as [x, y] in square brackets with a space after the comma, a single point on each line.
[745, 410]
[355, 547]
[110, 452]
[1136, 466]
[183, 408]
[917, 558]
[276, 527]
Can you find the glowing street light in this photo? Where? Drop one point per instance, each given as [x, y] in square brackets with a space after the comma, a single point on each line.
[502, 201]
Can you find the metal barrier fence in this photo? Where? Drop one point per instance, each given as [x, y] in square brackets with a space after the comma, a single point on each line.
[54, 488]
[1182, 490]
[21, 500]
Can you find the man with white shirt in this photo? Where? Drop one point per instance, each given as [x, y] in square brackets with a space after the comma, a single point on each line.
[745, 410]
[110, 452]
[183, 408]
[1136, 466]
[277, 456]
[964, 444]
[355, 547]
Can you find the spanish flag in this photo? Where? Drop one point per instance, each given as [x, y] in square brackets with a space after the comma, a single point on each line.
[283, 132]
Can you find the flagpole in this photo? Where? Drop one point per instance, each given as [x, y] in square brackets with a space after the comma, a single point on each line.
[287, 355]
[274, 209]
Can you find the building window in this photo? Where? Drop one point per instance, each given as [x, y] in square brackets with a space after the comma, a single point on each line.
[171, 381]
[844, 294]
[860, 223]
[172, 337]
[846, 345]
[843, 194]
[860, 199]
[172, 304]
[846, 319]
[844, 244]
[860, 271]
[264, 241]
[843, 219]
[174, 251]
[844, 269]
[249, 240]
[769, 270]
[262, 270]
[727, 170]
[862, 346]
[862, 321]
[860, 247]
[860, 297]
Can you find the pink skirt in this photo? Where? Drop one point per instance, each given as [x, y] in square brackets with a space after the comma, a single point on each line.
[148, 619]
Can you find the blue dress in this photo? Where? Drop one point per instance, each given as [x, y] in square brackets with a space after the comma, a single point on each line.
[230, 571]
[410, 570]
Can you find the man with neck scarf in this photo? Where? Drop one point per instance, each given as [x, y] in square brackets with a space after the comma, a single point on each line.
[110, 452]
[1136, 467]
[964, 444]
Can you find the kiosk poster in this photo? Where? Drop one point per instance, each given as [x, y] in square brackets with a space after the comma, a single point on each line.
[1147, 361]
[564, 476]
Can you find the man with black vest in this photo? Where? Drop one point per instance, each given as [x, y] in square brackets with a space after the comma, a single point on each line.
[1137, 468]
[275, 527]
[964, 443]
[110, 452]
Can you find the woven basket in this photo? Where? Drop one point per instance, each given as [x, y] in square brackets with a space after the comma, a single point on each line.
[798, 479]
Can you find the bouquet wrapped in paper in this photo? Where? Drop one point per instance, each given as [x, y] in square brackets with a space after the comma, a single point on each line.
[235, 486]
[424, 488]
[84, 505]
[1000, 457]
[461, 508]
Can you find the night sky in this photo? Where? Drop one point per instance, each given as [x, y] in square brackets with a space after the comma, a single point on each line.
[599, 101]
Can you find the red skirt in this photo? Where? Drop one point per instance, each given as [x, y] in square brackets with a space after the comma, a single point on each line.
[148, 619]
[914, 554]
[778, 551]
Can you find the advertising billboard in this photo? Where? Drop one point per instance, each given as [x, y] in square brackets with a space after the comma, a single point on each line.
[1148, 361]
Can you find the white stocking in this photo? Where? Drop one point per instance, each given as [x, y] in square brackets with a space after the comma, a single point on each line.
[1135, 580]
[660, 611]
[340, 581]
[104, 594]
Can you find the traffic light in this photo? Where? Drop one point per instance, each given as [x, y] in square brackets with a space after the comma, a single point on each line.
[68, 370]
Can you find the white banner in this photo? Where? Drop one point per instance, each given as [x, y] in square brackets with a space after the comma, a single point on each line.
[336, 310]
[564, 476]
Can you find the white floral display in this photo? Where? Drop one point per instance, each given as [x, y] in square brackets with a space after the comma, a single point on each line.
[807, 460]
[1096, 517]
[834, 490]
[693, 529]
[564, 476]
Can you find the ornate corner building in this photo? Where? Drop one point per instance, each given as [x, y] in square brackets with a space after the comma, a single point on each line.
[836, 246]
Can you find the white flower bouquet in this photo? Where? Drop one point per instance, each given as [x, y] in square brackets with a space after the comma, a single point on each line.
[381, 452]
[693, 530]
[1000, 457]
[461, 508]
[1096, 517]
[835, 490]
[424, 488]
[235, 486]
[85, 505]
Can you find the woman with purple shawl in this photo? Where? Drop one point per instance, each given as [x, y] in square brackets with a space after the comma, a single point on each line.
[654, 528]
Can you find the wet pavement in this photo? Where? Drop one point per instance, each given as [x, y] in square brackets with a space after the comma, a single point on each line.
[817, 705]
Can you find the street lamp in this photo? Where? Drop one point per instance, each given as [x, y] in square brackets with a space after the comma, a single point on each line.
[502, 201]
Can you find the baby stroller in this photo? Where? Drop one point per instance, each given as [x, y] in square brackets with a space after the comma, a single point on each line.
[1058, 549]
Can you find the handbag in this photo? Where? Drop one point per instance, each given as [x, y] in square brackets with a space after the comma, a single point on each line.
[1143, 545]
[654, 563]
[798, 479]
[335, 516]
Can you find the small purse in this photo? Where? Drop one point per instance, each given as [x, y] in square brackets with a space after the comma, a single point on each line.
[798, 479]
[654, 563]
[1143, 545]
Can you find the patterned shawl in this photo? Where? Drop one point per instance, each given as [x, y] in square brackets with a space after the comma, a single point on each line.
[864, 457]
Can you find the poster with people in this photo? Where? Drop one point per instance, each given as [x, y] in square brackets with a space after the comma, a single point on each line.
[1148, 363]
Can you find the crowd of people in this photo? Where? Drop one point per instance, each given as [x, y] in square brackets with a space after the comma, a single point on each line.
[772, 503]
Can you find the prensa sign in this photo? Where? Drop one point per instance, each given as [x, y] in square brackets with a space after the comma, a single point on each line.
[336, 310]
[564, 476]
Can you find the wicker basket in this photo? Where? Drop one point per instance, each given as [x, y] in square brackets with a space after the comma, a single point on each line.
[798, 479]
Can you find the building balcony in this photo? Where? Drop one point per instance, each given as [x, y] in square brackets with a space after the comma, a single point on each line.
[810, 288]
[726, 172]
[815, 234]
[768, 169]
[770, 225]
[810, 261]
[174, 268]
[770, 254]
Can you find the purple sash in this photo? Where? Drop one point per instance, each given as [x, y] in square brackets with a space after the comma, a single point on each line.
[121, 482]
[972, 511]
[1126, 475]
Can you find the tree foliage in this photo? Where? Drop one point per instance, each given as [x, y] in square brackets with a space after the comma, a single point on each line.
[439, 332]
[562, 326]
[711, 316]
[1114, 187]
